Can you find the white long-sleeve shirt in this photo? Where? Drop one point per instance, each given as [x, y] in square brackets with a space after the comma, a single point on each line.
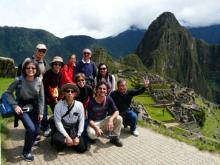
[76, 114]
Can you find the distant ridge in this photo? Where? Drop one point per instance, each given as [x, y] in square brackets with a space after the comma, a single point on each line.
[18, 43]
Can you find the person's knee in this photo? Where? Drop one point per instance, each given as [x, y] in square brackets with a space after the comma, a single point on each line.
[133, 116]
[91, 133]
[119, 119]
[32, 130]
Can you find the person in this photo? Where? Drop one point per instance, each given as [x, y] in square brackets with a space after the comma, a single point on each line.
[86, 92]
[122, 98]
[103, 75]
[88, 67]
[69, 112]
[38, 57]
[52, 84]
[69, 70]
[103, 117]
[29, 103]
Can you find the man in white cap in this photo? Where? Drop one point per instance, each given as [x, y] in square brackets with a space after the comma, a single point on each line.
[38, 57]
[87, 66]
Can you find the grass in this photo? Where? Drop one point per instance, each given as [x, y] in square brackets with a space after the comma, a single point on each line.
[157, 113]
[3, 122]
[211, 127]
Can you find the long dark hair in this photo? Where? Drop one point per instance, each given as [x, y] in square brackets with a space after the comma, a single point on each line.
[99, 77]
[26, 63]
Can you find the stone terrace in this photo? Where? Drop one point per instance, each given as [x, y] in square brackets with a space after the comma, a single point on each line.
[148, 148]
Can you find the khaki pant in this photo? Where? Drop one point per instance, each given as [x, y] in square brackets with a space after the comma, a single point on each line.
[117, 124]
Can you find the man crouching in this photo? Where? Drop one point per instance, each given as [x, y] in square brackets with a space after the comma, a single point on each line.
[103, 116]
[69, 120]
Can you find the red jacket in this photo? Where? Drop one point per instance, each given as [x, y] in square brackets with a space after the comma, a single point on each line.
[67, 74]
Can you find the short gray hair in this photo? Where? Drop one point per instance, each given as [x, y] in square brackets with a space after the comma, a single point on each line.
[120, 81]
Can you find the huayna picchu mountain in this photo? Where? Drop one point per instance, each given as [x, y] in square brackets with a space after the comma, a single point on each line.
[169, 50]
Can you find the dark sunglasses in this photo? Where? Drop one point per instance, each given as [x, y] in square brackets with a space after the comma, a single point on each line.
[86, 53]
[80, 80]
[102, 68]
[69, 91]
[58, 64]
[42, 50]
[30, 68]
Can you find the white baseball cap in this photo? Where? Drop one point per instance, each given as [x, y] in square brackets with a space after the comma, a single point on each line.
[41, 46]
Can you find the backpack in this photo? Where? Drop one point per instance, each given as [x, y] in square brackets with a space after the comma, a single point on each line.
[6, 109]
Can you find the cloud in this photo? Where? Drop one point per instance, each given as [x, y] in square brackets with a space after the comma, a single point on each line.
[99, 18]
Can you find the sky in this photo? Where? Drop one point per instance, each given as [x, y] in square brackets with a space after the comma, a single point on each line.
[103, 18]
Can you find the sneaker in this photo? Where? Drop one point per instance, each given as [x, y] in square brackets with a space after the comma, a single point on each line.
[36, 143]
[135, 133]
[28, 157]
[47, 132]
[38, 138]
[116, 141]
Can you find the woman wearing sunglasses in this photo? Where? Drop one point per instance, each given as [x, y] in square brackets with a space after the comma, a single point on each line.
[52, 84]
[86, 92]
[104, 76]
[30, 95]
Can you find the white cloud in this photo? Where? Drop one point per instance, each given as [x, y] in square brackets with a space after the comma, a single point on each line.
[100, 18]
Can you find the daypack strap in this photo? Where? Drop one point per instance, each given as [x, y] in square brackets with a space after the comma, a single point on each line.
[69, 109]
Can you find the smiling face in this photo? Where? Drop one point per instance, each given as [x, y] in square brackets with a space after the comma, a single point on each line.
[103, 70]
[101, 90]
[87, 55]
[72, 60]
[81, 82]
[30, 70]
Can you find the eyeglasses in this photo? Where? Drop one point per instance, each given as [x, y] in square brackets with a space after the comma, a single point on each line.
[42, 50]
[80, 80]
[58, 64]
[69, 91]
[30, 68]
[102, 68]
[86, 53]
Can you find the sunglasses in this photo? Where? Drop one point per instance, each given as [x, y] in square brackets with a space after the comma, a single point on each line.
[80, 80]
[42, 50]
[86, 53]
[69, 91]
[102, 68]
[57, 64]
[30, 68]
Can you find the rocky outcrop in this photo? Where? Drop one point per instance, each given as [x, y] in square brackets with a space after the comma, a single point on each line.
[7, 67]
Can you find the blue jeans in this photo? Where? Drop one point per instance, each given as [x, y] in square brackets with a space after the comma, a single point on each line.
[130, 118]
[31, 124]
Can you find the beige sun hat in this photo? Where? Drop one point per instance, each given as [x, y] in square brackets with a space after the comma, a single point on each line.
[41, 46]
[57, 59]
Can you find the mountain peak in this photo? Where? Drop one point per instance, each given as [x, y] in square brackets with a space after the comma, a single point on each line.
[165, 20]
